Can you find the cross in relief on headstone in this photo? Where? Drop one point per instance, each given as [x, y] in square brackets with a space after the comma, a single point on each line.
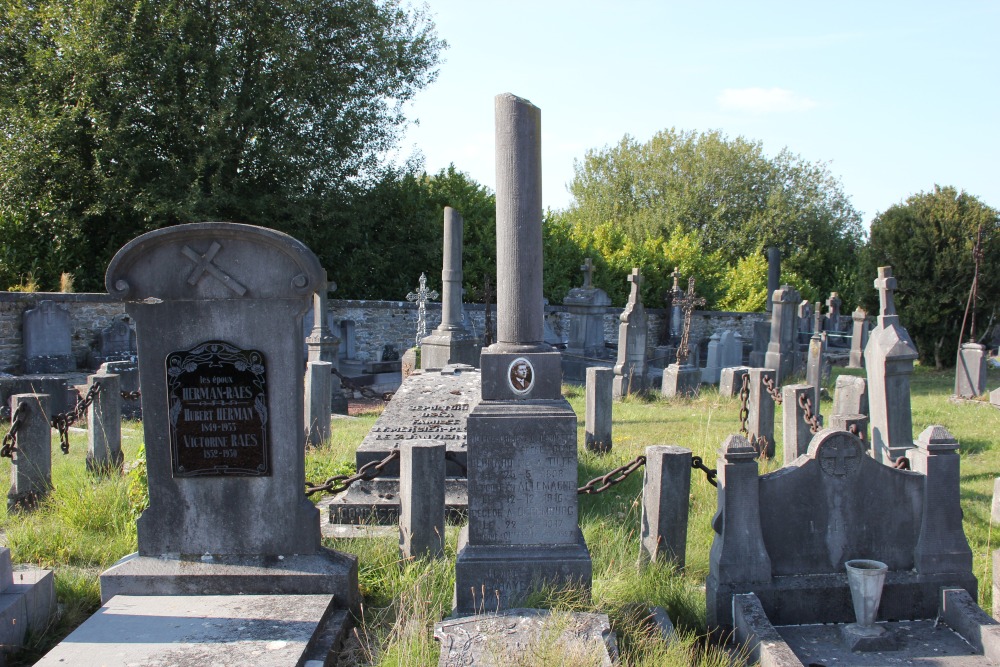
[588, 274]
[205, 264]
[687, 304]
[886, 284]
[421, 297]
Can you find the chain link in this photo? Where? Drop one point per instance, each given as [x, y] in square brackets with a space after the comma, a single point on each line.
[902, 463]
[744, 401]
[609, 479]
[807, 415]
[339, 483]
[710, 473]
[131, 395]
[61, 422]
[10, 440]
[367, 392]
[775, 392]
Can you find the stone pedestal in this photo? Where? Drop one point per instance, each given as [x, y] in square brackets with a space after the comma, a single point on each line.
[970, 371]
[597, 437]
[104, 426]
[859, 339]
[680, 380]
[666, 489]
[782, 349]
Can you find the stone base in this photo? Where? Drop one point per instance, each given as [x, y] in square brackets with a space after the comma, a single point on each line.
[27, 605]
[443, 348]
[680, 381]
[493, 578]
[376, 502]
[327, 571]
[64, 363]
[546, 374]
[511, 637]
[861, 639]
[260, 630]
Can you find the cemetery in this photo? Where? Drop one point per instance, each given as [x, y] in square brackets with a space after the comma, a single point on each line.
[781, 488]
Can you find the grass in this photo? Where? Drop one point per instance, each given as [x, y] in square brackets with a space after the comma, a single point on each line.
[88, 523]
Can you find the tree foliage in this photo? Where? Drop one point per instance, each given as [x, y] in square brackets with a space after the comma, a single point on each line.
[928, 242]
[728, 193]
[118, 117]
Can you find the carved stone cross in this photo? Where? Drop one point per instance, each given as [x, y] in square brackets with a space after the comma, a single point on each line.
[205, 264]
[588, 274]
[687, 303]
[886, 284]
[421, 297]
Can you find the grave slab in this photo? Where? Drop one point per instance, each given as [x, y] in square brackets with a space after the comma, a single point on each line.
[217, 630]
[510, 637]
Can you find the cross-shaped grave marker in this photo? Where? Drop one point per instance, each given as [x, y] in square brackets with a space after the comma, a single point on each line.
[687, 303]
[204, 264]
[886, 284]
[421, 297]
[588, 274]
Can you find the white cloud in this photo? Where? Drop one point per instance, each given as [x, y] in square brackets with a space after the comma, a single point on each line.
[763, 100]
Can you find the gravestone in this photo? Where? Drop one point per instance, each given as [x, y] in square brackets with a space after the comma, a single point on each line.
[597, 434]
[850, 396]
[761, 338]
[428, 406]
[713, 363]
[451, 342]
[586, 307]
[731, 381]
[889, 358]
[116, 342]
[421, 297]
[732, 348]
[782, 350]
[814, 369]
[27, 603]
[833, 303]
[676, 312]
[522, 531]
[47, 336]
[682, 378]
[970, 371]
[630, 368]
[859, 339]
[218, 311]
[804, 313]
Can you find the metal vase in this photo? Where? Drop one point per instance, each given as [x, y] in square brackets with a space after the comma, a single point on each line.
[866, 578]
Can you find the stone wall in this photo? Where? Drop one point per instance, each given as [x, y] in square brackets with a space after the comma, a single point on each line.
[376, 323]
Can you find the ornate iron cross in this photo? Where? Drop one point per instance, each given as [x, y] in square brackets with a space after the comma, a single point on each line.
[687, 303]
[421, 297]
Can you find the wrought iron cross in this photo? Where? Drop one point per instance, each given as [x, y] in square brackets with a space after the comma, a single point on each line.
[687, 303]
[421, 297]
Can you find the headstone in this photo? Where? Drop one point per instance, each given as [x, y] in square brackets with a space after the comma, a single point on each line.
[805, 317]
[833, 303]
[586, 307]
[854, 423]
[713, 366]
[116, 342]
[682, 377]
[522, 531]
[451, 342]
[761, 338]
[850, 396]
[970, 371]
[218, 311]
[47, 336]
[773, 275]
[732, 380]
[666, 495]
[104, 426]
[859, 339]
[319, 386]
[889, 358]
[597, 436]
[782, 349]
[732, 348]
[31, 466]
[421, 499]
[128, 381]
[760, 420]
[421, 297]
[796, 430]
[814, 369]
[432, 405]
[630, 368]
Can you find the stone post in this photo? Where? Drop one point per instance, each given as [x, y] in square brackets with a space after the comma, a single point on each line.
[782, 349]
[104, 426]
[817, 318]
[859, 422]
[128, 381]
[630, 368]
[319, 385]
[995, 508]
[676, 314]
[796, 434]
[889, 358]
[773, 275]
[31, 469]
[598, 409]
[738, 554]
[859, 338]
[850, 396]
[451, 342]
[421, 499]
[760, 422]
[522, 453]
[666, 491]
[942, 546]
[970, 371]
[713, 368]
[322, 345]
[731, 380]
[814, 369]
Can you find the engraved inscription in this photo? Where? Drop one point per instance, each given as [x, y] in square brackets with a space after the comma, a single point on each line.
[427, 422]
[218, 415]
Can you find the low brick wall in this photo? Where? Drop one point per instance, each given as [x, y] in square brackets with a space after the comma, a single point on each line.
[376, 323]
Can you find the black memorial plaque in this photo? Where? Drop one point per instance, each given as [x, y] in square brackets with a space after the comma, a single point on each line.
[217, 397]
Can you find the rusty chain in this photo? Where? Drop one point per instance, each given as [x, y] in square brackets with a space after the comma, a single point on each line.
[710, 473]
[367, 392]
[807, 415]
[131, 395]
[775, 392]
[339, 483]
[744, 401]
[609, 479]
[902, 463]
[10, 440]
[853, 429]
[62, 421]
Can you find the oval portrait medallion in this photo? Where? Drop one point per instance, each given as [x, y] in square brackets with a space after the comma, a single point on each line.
[520, 376]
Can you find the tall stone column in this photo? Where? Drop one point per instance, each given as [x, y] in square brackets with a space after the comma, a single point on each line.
[889, 358]
[522, 457]
[451, 342]
[859, 338]
[322, 345]
[782, 349]
[773, 274]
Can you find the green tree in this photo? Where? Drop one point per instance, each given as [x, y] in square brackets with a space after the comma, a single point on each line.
[928, 242]
[118, 117]
[734, 197]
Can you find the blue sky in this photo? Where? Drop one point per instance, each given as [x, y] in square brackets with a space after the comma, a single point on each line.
[895, 96]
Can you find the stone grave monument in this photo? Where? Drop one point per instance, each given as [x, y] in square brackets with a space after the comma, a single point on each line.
[630, 368]
[782, 350]
[889, 358]
[859, 338]
[451, 342]
[115, 342]
[682, 378]
[522, 453]
[773, 275]
[970, 370]
[47, 336]
[586, 307]
[218, 311]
